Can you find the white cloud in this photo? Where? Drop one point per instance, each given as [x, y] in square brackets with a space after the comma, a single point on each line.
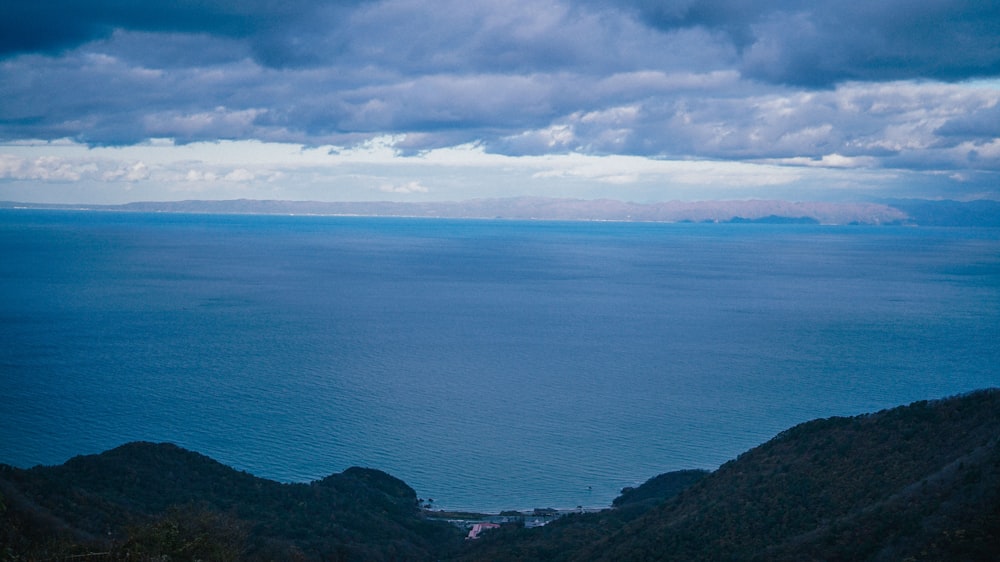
[239, 175]
[199, 176]
[827, 161]
[405, 188]
[161, 170]
[48, 168]
[133, 172]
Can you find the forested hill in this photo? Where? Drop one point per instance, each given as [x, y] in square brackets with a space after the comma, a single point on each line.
[920, 482]
[144, 499]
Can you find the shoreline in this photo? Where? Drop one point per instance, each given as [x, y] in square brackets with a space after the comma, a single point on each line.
[476, 522]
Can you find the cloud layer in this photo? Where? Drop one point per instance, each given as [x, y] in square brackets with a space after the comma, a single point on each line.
[904, 86]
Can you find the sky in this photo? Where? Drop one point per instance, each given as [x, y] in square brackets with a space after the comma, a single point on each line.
[111, 101]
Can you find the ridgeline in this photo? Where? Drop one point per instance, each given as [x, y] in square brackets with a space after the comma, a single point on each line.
[919, 482]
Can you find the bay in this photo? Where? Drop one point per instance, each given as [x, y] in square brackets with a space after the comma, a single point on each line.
[489, 364]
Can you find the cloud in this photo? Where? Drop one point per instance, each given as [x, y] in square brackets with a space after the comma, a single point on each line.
[133, 172]
[831, 161]
[406, 188]
[823, 42]
[53, 25]
[817, 43]
[250, 169]
[220, 122]
[60, 169]
[239, 175]
[806, 85]
[43, 168]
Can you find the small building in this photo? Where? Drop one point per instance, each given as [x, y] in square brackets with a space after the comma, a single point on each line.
[479, 528]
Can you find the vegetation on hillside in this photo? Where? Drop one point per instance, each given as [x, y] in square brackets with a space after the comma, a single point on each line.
[920, 482]
[161, 499]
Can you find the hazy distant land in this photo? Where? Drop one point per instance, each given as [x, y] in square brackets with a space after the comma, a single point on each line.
[910, 211]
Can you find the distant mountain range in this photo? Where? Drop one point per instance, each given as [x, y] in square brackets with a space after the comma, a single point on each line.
[919, 482]
[910, 211]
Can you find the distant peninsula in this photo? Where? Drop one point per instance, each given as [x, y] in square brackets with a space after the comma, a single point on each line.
[906, 212]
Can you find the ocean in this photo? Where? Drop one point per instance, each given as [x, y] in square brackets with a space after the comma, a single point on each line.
[490, 364]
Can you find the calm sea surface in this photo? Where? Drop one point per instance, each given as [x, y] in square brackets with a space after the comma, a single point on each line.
[490, 364]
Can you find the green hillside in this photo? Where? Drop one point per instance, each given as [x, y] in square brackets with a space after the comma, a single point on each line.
[161, 499]
[920, 482]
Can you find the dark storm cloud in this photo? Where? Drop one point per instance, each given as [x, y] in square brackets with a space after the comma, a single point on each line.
[984, 123]
[53, 25]
[327, 73]
[819, 43]
[99, 99]
[784, 41]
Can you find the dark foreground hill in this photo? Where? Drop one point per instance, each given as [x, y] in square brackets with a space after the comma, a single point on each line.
[152, 499]
[920, 482]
